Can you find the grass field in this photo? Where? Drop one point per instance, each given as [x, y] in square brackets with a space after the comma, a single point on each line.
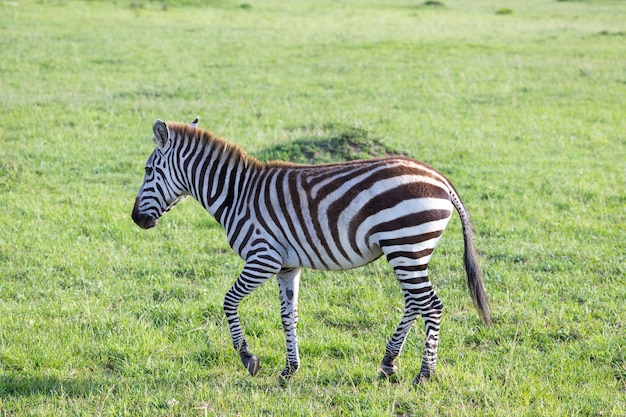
[521, 104]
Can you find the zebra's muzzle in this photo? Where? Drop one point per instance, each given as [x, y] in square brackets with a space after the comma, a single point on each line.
[142, 220]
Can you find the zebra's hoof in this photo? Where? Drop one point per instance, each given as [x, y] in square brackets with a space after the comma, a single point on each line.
[387, 370]
[251, 363]
[283, 380]
[287, 373]
[422, 379]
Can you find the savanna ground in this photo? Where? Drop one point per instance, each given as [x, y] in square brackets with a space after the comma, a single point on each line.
[521, 104]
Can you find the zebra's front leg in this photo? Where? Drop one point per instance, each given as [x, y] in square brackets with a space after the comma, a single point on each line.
[252, 276]
[288, 284]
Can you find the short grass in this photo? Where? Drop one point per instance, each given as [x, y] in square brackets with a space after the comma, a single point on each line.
[523, 110]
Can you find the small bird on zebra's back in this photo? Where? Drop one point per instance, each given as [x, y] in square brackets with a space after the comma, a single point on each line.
[281, 217]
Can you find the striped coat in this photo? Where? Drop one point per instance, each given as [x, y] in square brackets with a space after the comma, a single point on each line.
[281, 217]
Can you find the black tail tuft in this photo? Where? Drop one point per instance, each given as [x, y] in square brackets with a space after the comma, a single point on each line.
[474, 277]
[470, 257]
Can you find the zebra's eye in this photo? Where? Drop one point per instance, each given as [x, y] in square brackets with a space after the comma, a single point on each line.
[148, 171]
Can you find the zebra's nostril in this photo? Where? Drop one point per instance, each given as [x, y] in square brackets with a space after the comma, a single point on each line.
[142, 220]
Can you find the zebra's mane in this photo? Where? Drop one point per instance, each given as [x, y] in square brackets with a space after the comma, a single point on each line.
[207, 138]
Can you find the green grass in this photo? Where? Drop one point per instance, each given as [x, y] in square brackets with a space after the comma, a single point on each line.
[523, 111]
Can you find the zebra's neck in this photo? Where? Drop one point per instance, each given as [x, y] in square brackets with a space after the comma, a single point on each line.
[215, 173]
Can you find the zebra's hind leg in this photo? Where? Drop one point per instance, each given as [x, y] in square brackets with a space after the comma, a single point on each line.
[431, 308]
[419, 298]
[288, 284]
[394, 346]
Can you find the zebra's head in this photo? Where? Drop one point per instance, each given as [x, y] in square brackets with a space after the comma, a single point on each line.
[161, 189]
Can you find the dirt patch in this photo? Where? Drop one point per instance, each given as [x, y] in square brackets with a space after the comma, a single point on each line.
[344, 144]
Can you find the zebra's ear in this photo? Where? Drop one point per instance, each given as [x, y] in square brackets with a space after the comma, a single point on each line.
[161, 134]
[195, 122]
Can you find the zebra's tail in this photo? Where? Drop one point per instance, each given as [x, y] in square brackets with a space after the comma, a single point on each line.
[470, 258]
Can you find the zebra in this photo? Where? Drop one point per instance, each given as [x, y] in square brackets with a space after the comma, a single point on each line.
[281, 217]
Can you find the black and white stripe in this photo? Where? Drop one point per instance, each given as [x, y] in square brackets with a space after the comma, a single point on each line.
[281, 217]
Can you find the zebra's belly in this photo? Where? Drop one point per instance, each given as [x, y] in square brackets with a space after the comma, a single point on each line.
[336, 261]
